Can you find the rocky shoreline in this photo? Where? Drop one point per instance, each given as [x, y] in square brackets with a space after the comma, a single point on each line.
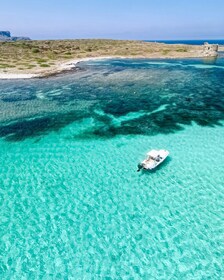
[205, 51]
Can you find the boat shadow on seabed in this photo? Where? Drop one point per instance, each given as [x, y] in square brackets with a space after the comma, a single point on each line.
[161, 166]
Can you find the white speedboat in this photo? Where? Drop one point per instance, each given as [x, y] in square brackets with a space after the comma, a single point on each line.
[154, 158]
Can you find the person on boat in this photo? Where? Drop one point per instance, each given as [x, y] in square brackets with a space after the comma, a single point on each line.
[158, 158]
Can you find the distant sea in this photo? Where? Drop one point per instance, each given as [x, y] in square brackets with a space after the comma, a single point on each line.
[188, 42]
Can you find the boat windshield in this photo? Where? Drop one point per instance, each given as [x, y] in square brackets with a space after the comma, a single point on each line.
[151, 157]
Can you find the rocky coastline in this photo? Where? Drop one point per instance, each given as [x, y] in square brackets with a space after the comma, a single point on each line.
[38, 52]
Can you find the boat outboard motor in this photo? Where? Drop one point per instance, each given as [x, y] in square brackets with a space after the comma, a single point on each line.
[139, 167]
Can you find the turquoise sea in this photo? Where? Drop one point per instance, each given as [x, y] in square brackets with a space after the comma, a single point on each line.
[72, 205]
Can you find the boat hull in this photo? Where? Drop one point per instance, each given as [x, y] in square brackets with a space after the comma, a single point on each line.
[154, 161]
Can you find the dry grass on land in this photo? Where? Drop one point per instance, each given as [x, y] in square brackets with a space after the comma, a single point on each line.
[39, 56]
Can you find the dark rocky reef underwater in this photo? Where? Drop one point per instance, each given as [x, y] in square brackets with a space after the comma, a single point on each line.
[5, 36]
[115, 98]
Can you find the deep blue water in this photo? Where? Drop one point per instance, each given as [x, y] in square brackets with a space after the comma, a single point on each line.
[189, 42]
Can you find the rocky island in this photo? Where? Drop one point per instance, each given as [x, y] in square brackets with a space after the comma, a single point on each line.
[5, 36]
[24, 58]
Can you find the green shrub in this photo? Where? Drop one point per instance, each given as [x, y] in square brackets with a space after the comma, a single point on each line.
[44, 65]
[181, 50]
[3, 65]
[89, 49]
[165, 52]
[35, 50]
[41, 60]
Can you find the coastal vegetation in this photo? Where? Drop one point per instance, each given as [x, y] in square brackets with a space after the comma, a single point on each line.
[33, 56]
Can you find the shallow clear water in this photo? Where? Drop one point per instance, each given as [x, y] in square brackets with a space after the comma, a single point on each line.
[73, 205]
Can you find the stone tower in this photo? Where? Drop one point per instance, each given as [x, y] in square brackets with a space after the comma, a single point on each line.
[210, 50]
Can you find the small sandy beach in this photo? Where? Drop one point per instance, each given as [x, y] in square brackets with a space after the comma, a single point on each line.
[61, 67]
